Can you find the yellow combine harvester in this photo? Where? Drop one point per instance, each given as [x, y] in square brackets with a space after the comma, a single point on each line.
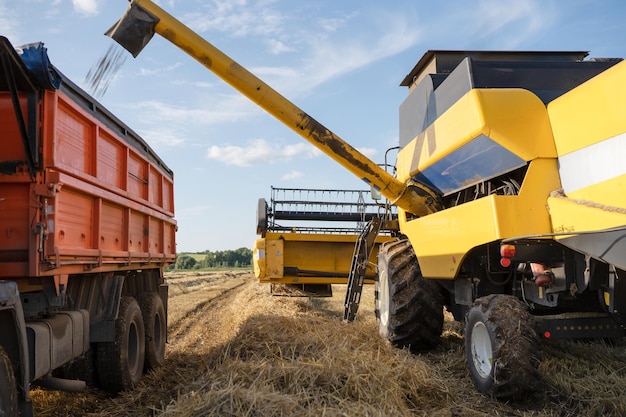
[308, 239]
[510, 191]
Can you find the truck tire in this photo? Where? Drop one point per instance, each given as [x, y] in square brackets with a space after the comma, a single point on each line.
[501, 346]
[155, 325]
[120, 363]
[8, 389]
[409, 308]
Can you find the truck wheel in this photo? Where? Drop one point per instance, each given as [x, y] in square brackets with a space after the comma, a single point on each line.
[120, 363]
[8, 389]
[155, 325]
[409, 308]
[501, 346]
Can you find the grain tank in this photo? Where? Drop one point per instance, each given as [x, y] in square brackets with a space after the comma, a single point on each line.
[86, 228]
[510, 196]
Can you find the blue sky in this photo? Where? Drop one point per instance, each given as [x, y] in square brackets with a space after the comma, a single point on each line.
[340, 61]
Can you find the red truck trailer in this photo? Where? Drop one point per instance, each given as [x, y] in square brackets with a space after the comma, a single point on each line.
[86, 229]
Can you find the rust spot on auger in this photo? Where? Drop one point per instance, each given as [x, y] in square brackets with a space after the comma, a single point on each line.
[320, 134]
[203, 59]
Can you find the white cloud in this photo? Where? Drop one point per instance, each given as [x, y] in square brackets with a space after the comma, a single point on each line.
[8, 22]
[237, 18]
[293, 175]
[334, 24]
[226, 109]
[503, 25]
[279, 47]
[86, 7]
[328, 57]
[159, 71]
[260, 151]
[159, 138]
[371, 153]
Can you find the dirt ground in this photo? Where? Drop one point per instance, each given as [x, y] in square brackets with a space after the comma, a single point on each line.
[234, 349]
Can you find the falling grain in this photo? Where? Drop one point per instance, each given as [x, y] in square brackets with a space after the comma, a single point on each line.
[105, 70]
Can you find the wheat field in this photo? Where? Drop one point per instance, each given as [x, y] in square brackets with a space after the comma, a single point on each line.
[236, 350]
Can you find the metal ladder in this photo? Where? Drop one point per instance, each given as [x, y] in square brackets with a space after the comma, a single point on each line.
[362, 251]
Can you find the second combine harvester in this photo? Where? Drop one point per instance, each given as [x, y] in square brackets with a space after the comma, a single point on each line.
[510, 192]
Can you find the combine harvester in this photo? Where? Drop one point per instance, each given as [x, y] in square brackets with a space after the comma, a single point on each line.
[86, 228]
[510, 189]
[313, 238]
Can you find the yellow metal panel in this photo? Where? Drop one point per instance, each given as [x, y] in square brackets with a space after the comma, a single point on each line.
[513, 118]
[258, 258]
[441, 240]
[518, 120]
[571, 216]
[610, 193]
[457, 126]
[310, 258]
[274, 258]
[590, 113]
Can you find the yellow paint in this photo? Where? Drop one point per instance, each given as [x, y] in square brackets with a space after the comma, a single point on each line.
[442, 240]
[590, 113]
[609, 193]
[514, 118]
[571, 216]
[328, 253]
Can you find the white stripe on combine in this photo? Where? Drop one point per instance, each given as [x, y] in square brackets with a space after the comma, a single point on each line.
[593, 164]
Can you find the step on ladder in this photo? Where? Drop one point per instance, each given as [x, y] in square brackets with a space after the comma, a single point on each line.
[362, 251]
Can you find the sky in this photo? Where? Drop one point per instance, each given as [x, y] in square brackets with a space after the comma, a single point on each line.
[340, 61]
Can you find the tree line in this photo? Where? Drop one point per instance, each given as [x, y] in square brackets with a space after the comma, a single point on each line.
[238, 258]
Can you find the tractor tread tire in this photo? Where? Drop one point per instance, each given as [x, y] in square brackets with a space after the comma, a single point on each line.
[514, 342]
[415, 310]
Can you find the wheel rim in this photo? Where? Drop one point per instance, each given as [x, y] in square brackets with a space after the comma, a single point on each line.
[383, 299]
[159, 337]
[133, 349]
[482, 354]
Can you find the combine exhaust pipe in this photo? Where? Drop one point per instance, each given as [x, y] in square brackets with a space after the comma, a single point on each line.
[143, 19]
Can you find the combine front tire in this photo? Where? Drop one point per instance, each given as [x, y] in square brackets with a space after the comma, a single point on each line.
[155, 327]
[501, 346]
[8, 389]
[120, 363]
[409, 308]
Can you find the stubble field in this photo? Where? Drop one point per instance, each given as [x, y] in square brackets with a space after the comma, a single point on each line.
[235, 350]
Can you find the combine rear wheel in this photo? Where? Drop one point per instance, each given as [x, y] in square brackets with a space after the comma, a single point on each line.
[155, 327]
[8, 389]
[501, 346]
[409, 308]
[120, 363]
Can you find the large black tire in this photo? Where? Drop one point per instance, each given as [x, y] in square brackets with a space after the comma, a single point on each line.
[120, 363]
[409, 308]
[155, 325]
[8, 389]
[261, 217]
[501, 346]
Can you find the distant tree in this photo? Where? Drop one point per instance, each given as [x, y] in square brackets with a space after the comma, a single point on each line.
[185, 262]
[241, 257]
